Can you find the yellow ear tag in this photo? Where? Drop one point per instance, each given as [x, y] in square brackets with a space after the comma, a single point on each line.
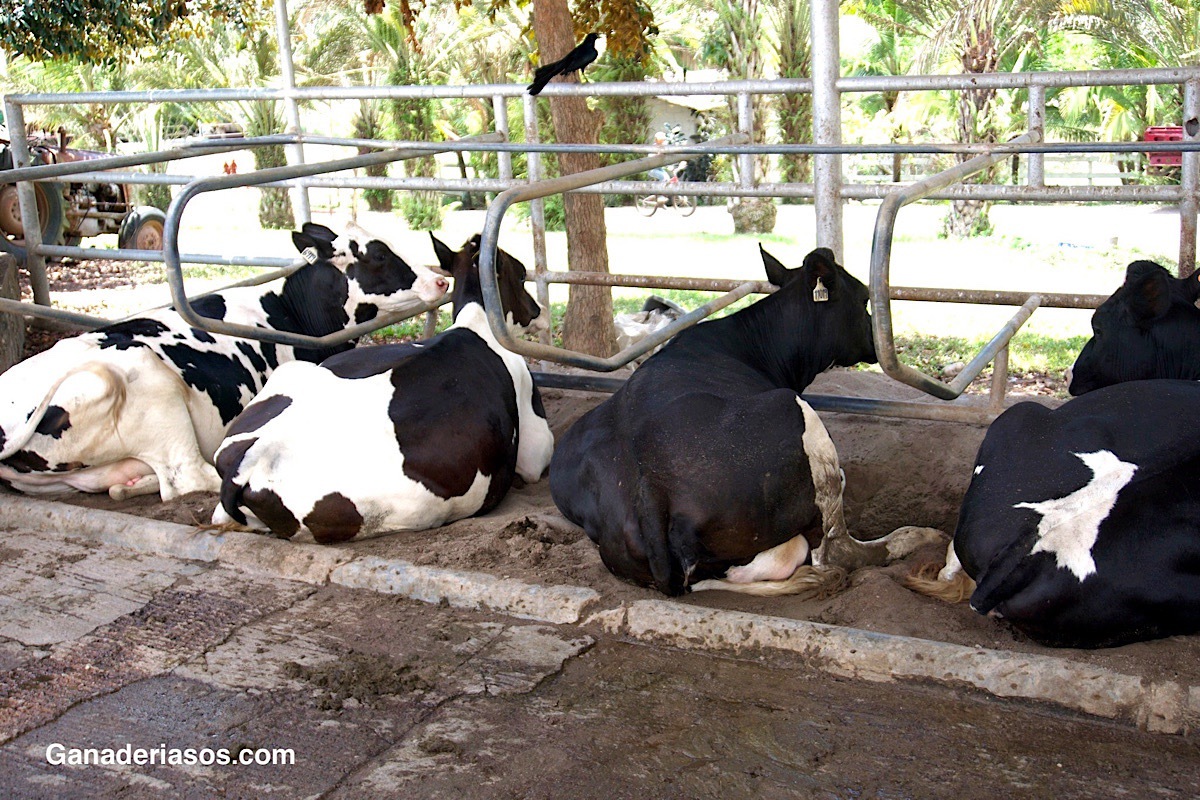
[310, 255]
[820, 293]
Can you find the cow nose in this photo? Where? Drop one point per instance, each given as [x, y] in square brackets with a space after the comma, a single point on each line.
[442, 284]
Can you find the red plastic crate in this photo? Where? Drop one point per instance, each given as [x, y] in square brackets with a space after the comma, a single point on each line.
[1164, 133]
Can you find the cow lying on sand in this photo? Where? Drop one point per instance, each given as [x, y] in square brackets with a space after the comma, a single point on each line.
[140, 406]
[706, 469]
[1080, 526]
[395, 437]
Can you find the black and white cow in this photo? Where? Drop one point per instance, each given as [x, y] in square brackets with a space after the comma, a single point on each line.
[1148, 328]
[141, 405]
[706, 469]
[395, 437]
[1081, 525]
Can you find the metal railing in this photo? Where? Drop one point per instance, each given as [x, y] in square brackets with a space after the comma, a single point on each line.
[611, 180]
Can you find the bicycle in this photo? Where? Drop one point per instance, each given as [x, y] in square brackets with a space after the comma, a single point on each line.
[648, 204]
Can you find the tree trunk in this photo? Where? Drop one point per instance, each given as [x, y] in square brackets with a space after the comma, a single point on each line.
[587, 324]
[12, 326]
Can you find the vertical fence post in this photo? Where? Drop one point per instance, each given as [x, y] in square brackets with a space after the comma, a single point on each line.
[537, 211]
[500, 109]
[35, 262]
[827, 124]
[1189, 179]
[284, 35]
[1036, 170]
[745, 114]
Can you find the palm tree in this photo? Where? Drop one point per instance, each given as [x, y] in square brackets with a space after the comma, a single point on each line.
[230, 56]
[973, 37]
[792, 20]
[1132, 34]
[737, 44]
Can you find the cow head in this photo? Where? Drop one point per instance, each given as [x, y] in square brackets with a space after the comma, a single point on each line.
[1149, 328]
[375, 273]
[830, 306]
[522, 311]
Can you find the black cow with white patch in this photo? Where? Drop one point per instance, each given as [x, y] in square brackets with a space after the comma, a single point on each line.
[1081, 526]
[394, 437]
[1149, 328]
[706, 469]
[140, 406]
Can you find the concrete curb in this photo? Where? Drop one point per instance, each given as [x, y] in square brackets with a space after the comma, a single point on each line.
[1159, 706]
[309, 563]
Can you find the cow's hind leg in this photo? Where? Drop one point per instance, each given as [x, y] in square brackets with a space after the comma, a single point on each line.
[780, 571]
[839, 548]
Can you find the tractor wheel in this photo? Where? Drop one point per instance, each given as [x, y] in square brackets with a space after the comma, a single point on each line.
[142, 229]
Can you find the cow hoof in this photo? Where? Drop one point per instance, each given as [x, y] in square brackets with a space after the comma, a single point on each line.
[147, 484]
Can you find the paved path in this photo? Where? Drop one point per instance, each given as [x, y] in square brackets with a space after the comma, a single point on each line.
[379, 696]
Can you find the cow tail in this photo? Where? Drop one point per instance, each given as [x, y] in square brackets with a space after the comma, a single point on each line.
[925, 580]
[114, 389]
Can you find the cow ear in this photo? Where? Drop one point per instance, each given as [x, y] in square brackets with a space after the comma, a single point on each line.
[319, 232]
[445, 256]
[777, 273]
[1150, 292]
[304, 242]
[820, 269]
[1191, 287]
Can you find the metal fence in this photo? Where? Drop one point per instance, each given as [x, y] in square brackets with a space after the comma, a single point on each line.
[829, 190]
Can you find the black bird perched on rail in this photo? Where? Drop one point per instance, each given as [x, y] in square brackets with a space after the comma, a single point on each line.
[578, 59]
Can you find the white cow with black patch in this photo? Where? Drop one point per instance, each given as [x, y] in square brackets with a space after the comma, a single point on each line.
[141, 405]
[1081, 525]
[393, 437]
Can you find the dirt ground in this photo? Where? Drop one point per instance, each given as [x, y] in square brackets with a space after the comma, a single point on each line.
[898, 472]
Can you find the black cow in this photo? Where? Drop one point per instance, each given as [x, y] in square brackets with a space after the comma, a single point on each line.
[1081, 526]
[706, 469]
[394, 437]
[140, 406]
[1149, 328]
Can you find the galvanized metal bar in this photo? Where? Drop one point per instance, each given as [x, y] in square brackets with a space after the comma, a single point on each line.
[827, 124]
[566, 183]
[537, 212]
[92, 169]
[283, 39]
[1189, 179]
[745, 118]
[500, 111]
[175, 271]
[914, 294]
[73, 318]
[31, 223]
[999, 380]
[850, 84]
[881, 248]
[1036, 162]
[900, 409]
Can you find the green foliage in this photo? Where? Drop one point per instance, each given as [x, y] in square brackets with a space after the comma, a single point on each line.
[422, 210]
[552, 207]
[1032, 357]
[111, 30]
